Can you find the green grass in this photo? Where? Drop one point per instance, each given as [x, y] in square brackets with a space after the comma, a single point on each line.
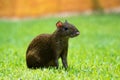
[93, 55]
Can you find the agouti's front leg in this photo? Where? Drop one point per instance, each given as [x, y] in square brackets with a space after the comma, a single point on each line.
[64, 59]
[56, 63]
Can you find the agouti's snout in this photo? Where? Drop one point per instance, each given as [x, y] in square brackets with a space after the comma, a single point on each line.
[75, 33]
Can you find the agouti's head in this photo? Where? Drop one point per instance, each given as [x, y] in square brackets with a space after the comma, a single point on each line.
[66, 29]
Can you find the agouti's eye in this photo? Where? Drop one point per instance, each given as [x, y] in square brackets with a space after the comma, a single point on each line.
[65, 28]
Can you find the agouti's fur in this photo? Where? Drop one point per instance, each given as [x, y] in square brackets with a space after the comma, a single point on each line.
[46, 49]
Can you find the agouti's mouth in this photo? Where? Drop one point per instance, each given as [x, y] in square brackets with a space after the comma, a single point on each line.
[75, 34]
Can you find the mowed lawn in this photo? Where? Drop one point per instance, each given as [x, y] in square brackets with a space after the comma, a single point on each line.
[93, 55]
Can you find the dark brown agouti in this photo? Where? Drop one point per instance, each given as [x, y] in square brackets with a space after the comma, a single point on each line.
[46, 49]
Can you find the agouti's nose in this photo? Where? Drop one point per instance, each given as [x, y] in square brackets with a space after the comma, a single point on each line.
[77, 32]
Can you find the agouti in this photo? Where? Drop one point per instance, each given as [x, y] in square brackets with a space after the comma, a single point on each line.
[46, 49]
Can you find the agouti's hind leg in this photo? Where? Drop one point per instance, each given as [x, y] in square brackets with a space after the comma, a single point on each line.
[52, 63]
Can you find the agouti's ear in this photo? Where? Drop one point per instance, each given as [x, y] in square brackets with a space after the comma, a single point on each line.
[59, 24]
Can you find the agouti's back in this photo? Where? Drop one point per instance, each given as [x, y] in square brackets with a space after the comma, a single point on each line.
[46, 49]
